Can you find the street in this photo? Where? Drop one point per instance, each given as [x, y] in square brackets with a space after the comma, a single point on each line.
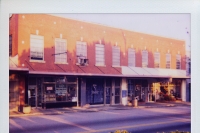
[139, 120]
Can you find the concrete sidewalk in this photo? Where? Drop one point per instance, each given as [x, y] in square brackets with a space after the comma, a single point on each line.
[96, 108]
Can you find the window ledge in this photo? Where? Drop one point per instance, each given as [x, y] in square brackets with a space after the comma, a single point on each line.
[38, 61]
[100, 65]
[78, 64]
[60, 63]
[115, 66]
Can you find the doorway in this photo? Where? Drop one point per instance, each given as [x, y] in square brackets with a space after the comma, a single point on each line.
[32, 95]
[108, 95]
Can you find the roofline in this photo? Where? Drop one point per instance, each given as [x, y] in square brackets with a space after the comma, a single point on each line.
[181, 40]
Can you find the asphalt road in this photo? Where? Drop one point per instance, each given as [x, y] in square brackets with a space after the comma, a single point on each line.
[138, 120]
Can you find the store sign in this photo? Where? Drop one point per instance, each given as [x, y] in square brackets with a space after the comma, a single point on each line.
[49, 88]
[61, 89]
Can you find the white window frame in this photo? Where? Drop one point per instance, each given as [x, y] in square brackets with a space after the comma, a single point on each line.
[144, 58]
[99, 55]
[115, 56]
[178, 61]
[131, 57]
[157, 60]
[168, 61]
[60, 51]
[36, 48]
[81, 51]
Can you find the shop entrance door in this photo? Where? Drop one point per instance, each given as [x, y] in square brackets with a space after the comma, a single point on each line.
[138, 91]
[32, 95]
[117, 95]
[108, 95]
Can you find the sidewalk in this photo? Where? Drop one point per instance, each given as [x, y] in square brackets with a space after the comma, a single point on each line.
[96, 108]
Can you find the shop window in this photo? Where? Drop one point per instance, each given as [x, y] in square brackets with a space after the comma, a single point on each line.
[71, 79]
[81, 51]
[32, 81]
[100, 54]
[10, 45]
[168, 61]
[115, 56]
[108, 82]
[144, 58]
[60, 50]
[49, 79]
[131, 57]
[117, 82]
[178, 61]
[49, 93]
[156, 60]
[36, 47]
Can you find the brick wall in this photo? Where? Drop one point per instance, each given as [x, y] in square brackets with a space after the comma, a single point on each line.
[51, 27]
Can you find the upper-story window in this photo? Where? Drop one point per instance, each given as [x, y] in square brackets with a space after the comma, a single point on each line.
[36, 47]
[60, 50]
[10, 45]
[100, 54]
[115, 56]
[156, 60]
[168, 61]
[178, 61]
[131, 57]
[81, 51]
[144, 58]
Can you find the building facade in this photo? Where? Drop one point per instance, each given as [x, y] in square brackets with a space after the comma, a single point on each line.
[57, 62]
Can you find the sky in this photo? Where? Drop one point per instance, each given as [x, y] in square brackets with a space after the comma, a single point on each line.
[176, 26]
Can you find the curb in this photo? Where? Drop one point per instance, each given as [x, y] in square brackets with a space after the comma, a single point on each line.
[91, 110]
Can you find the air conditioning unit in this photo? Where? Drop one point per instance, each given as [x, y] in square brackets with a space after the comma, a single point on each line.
[82, 61]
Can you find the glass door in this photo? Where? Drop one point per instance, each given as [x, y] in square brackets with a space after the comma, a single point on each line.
[32, 95]
[108, 95]
[117, 95]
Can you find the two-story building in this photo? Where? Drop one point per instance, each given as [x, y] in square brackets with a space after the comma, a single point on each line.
[56, 61]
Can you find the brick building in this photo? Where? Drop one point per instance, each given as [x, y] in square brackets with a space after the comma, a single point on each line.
[57, 62]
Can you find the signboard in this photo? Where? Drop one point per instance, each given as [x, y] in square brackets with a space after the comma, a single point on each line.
[124, 93]
[49, 88]
[61, 89]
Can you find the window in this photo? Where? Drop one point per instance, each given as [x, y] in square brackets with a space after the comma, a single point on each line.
[168, 61]
[144, 58]
[178, 61]
[115, 56]
[156, 60]
[37, 47]
[81, 51]
[100, 56]
[10, 45]
[60, 51]
[131, 57]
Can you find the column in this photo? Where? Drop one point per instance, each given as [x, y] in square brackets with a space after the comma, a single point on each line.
[124, 93]
[83, 91]
[113, 92]
[183, 90]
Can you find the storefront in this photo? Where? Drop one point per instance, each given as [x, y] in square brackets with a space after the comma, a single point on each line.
[52, 91]
[152, 90]
[102, 91]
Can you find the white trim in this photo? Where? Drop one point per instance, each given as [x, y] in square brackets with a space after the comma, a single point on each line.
[61, 63]
[38, 61]
[101, 65]
[115, 66]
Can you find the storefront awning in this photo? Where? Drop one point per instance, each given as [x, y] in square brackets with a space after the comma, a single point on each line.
[153, 72]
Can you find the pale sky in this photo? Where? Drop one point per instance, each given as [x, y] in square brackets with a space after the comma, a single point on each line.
[176, 26]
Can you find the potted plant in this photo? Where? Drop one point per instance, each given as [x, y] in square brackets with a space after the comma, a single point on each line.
[26, 109]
